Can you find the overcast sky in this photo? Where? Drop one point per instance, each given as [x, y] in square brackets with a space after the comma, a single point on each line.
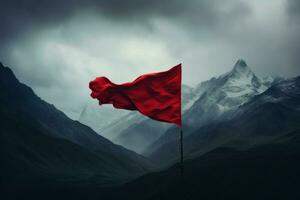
[57, 47]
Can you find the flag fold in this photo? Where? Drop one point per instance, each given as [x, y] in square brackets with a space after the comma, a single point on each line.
[156, 95]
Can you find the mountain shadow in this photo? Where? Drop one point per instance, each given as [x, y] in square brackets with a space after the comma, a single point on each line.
[268, 171]
[42, 148]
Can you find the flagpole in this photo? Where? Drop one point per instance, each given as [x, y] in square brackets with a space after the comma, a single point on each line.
[181, 151]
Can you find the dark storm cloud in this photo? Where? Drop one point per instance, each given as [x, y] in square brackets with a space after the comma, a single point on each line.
[57, 46]
[25, 18]
[17, 16]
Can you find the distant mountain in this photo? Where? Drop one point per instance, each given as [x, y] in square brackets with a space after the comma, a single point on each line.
[221, 99]
[41, 144]
[215, 97]
[100, 117]
[267, 116]
[108, 121]
[209, 102]
[140, 134]
[272, 114]
[224, 94]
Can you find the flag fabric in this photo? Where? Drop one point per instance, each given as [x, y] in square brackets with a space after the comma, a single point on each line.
[156, 95]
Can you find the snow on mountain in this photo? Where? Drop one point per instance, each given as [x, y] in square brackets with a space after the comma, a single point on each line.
[217, 98]
[273, 115]
[225, 93]
[280, 92]
[240, 83]
[188, 97]
[203, 104]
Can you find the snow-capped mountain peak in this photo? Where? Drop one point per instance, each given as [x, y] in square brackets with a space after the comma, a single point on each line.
[241, 81]
[241, 71]
[241, 65]
[225, 93]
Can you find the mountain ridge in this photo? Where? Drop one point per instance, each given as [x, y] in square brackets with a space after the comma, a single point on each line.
[38, 119]
[256, 122]
[220, 98]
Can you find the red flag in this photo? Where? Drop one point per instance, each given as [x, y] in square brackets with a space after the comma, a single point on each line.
[156, 95]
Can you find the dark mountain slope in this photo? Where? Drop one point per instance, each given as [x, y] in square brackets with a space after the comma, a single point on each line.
[38, 142]
[268, 171]
[29, 156]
